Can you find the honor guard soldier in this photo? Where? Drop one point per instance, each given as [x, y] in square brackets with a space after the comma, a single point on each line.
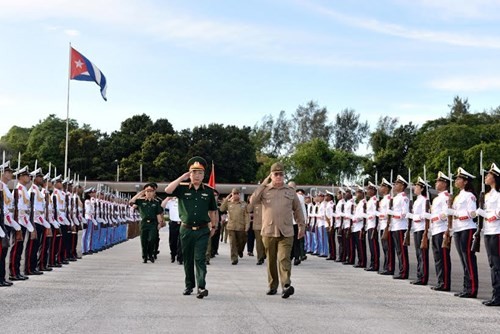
[463, 212]
[358, 220]
[279, 204]
[10, 225]
[311, 226]
[339, 208]
[439, 217]
[371, 227]
[322, 235]
[48, 215]
[30, 265]
[198, 213]
[28, 231]
[419, 215]
[387, 244]
[238, 223]
[399, 225]
[491, 215]
[348, 215]
[330, 220]
[151, 212]
[90, 215]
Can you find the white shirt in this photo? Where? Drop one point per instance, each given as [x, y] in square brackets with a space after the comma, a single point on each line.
[400, 207]
[418, 214]
[173, 210]
[491, 223]
[464, 204]
[359, 213]
[338, 213]
[382, 209]
[371, 210]
[348, 213]
[321, 222]
[329, 212]
[439, 211]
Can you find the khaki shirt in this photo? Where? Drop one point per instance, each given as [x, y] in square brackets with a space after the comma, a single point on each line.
[257, 215]
[279, 207]
[238, 217]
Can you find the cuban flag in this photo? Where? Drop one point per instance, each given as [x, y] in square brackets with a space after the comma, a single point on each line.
[83, 69]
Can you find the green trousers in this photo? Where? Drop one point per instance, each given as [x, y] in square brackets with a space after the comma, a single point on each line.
[278, 250]
[149, 237]
[194, 246]
[237, 241]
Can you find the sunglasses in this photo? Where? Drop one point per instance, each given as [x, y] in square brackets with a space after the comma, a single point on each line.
[278, 174]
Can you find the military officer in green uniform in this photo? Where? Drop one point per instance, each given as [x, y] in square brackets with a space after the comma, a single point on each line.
[151, 215]
[198, 213]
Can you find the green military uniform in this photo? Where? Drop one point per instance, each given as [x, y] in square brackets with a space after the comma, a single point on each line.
[149, 225]
[194, 205]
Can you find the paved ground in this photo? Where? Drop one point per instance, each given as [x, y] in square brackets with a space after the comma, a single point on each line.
[114, 292]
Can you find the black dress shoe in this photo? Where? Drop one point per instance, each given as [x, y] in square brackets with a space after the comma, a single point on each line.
[440, 288]
[234, 262]
[271, 292]
[180, 262]
[303, 258]
[287, 291]
[152, 259]
[207, 263]
[387, 273]
[172, 260]
[72, 259]
[145, 261]
[65, 262]
[492, 302]
[338, 260]
[6, 283]
[22, 277]
[467, 295]
[370, 269]
[46, 269]
[459, 294]
[202, 293]
[260, 262]
[296, 262]
[358, 266]
[240, 254]
[14, 278]
[34, 272]
[418, 283]
[187, 291]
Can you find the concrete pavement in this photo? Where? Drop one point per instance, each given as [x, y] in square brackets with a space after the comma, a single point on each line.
[114, 292]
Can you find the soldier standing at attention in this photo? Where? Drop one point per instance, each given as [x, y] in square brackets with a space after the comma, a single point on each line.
[151, 214]
[279, 202]
[238, 223]
[198, 212]
[491, 215]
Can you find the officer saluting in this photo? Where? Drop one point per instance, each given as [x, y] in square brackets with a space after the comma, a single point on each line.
[198, 213]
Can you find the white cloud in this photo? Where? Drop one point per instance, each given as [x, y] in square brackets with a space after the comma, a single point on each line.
[374, 25]
[71, 32]
[467, 84]
[453, 9]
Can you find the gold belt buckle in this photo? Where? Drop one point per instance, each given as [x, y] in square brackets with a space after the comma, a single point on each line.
[195, 228]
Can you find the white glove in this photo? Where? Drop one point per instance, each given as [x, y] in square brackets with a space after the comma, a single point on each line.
[443, 216]
[390, 212]
[409, 215]
[450, 212]
[482, 213]
[427, 215]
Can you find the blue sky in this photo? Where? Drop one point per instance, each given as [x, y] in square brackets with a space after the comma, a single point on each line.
[233, 62]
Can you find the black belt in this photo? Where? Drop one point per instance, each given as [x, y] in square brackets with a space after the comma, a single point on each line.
[194, 228]
[149, 221]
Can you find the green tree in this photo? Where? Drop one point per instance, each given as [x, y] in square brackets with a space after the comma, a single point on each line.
[15, 141]
[348, 131]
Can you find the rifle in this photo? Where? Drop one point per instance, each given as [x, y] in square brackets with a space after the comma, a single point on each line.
[387, 229]
[447, 233]
[56, 217]
[410, 221]
[377, 207]
[476, 241]
[363, 230]
[48, 231]
[32, 215]
[424, 244]
[19, 234]
[5, 239]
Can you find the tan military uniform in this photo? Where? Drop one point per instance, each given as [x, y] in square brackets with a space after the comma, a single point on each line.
[237, 225]
[278, 205]
[256, 210]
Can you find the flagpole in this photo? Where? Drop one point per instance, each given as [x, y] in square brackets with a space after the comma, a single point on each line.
[67, 119]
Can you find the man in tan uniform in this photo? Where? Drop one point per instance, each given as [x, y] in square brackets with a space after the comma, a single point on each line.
[256, 211]
[278, 203]
[238, 223]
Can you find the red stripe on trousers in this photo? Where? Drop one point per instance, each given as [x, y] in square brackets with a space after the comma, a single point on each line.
[403, 253]
[469, 262]
[445, 266]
